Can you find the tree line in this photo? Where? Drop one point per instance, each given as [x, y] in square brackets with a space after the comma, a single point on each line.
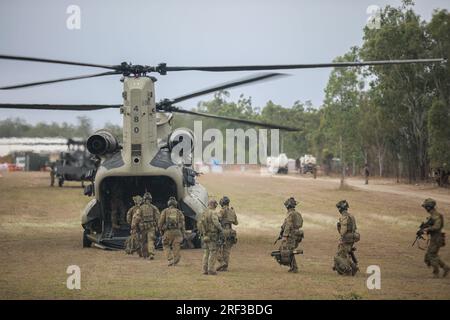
[395, 118]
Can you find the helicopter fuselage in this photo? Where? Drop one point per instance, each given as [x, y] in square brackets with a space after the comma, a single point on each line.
[142, 163]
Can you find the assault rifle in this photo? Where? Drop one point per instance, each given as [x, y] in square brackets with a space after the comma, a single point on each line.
[280, 236]
[421, 231]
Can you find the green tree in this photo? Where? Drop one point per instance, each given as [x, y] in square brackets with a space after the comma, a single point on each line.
[439, 132]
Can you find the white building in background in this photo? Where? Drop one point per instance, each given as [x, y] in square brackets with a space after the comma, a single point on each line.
[35, 145]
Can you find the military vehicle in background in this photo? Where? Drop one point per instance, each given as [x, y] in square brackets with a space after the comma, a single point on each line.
[308, 164]
[74, 164]
[278, 164]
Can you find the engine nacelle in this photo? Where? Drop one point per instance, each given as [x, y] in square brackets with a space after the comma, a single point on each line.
[181, 135]
[102, 142]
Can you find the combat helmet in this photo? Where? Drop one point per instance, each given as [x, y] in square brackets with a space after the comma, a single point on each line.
[225, 201]
[429, 204]
[172, 202]
[147, 196]
[342, 205]
[137, 199]
[290, 203]
[212, 203]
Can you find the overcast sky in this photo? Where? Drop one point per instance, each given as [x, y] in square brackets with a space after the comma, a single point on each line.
[178, 32]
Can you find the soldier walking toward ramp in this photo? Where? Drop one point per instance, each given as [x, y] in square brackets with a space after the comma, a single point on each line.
[171, 224]
[227, 217]
[131, 244]
[291, 234]
[151, 216]
[211, 231]
[345, 262]
[134, 217]
[437, 238]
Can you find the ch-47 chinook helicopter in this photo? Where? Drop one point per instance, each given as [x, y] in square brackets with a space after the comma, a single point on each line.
[143, 161]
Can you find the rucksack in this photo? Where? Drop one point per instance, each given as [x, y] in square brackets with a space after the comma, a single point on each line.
[172, 219]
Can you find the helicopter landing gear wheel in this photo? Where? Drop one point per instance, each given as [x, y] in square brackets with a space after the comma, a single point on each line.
[86, 242]
[60, 182]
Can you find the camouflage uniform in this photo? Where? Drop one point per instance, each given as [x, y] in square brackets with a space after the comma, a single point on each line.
[211, 232]
[437, 239]
[292, 234]
[343, 262]
[227, 217]
[171, 223]
[137, 233]
[131, 244]
[151, 216]
[366, 173]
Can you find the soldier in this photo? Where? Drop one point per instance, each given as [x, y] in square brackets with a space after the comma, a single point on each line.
[366, 173]
[437, 239]
[292, 234]
[211, 232]
[171, 224]
[52, 174]
[150, 215]
[227, 217]
[131, 245]
[345, 262]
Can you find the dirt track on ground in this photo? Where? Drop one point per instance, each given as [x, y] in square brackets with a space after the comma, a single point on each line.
[41, 235]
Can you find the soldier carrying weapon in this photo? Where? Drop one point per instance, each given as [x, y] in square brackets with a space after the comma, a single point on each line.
[291, 236]
[345, 262]
[433, 227]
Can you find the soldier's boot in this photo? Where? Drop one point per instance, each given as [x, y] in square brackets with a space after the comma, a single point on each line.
[176, 260]
[205, 270]
[223, 267]
[294, 268]
[355, 269]
[446, 271]
[212, 273]
[435, 271]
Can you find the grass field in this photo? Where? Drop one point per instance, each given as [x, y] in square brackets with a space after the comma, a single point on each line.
[41, 235]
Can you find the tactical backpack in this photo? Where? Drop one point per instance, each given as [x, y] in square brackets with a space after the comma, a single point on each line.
[230, 236]
[352, 235]
[148, 216]
[172, 219]
[229, 217]
[342, 266]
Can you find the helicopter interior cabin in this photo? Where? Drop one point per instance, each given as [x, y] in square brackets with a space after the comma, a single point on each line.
[121, 190]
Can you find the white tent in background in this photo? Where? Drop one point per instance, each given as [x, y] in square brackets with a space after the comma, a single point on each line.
[37, 145]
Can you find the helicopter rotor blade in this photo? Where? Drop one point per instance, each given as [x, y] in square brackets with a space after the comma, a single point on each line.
[297, 66]
[73, 63]
[38, 83]
[243, 121]
[66, 107]
[227, 85]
